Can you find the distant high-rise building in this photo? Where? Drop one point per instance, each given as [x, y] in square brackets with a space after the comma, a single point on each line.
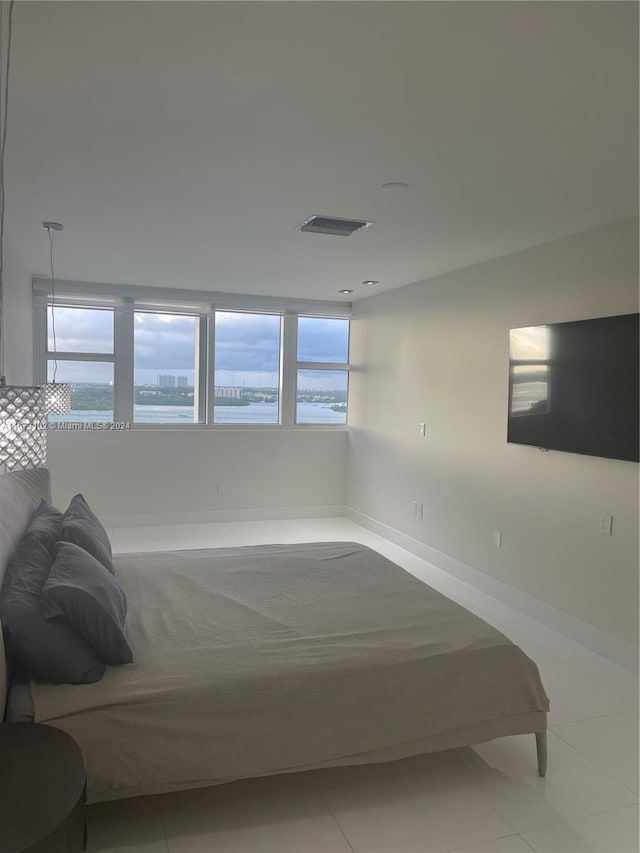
[183, 382]
[225, 391]
[166, 380]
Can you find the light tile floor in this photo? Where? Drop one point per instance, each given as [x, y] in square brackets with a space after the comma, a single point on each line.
[488, 799]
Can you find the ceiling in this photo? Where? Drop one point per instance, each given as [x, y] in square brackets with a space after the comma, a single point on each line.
[182, 143]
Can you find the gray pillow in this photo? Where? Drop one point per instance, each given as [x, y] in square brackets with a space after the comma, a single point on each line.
[26, 573]
[88, 597]
[50, 650]
[45, 526]
[81, 526]
[29, 566]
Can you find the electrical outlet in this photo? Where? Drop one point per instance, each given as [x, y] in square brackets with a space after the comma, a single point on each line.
[497, 539]
[423, 429]
[414, 509]
[606, 525]
[221, 488]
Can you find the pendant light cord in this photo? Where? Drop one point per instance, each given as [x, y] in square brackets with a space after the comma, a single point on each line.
[53, 303]
[4, 98]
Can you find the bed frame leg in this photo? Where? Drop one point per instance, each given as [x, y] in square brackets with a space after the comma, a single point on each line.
[541, 748]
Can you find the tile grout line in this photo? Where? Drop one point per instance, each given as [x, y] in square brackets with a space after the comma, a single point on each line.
[576, 819]
[491, 840]
[531, 847]
[586, 719]
[478, 790]
[484, 796]
[591, 760]
[164, 832]
[336, 821]
[600, 717]
[576, 664]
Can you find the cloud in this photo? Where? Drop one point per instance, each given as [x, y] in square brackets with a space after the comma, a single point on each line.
[81, 330]
[247, 342]
[323, 339]
[164, 342]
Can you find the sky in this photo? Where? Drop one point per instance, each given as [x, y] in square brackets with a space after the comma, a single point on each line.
[247, 347]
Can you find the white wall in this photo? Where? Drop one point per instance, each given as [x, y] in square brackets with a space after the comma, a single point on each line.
[437, 352]
[18, 322]
[126, 476]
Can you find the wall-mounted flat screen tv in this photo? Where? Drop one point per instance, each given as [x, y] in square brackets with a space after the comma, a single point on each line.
[574, 387]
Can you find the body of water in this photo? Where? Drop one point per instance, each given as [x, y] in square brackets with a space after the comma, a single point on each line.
[254, 413]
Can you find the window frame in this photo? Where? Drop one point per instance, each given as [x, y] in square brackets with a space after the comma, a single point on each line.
[125, 301]
[321, 365]
[199, 386]
[211, 366]
[47, 355]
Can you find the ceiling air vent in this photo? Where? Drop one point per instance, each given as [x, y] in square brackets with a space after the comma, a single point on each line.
[333, 225]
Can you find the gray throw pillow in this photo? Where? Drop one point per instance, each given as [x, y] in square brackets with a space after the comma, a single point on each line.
[51, 650]
[80, 525]
[88, 597]
[45, 526]
[29, 566]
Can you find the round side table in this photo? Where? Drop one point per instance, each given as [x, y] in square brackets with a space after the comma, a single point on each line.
[42, 790]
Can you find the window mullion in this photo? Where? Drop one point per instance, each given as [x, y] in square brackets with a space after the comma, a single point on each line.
[80, 356]
[322, 365]
[200, 371]
[123, 367]
[288, 372]
[209, 377]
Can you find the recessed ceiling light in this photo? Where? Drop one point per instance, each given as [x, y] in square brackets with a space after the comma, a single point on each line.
[395, 185]
[371, 281]
[345, 291]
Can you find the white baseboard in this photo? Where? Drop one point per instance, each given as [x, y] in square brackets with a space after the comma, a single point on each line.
[598, 641]
[221, 515]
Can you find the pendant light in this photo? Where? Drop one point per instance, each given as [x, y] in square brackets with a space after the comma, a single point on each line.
[57, 395]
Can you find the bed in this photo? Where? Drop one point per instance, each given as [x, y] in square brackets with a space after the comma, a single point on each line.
[277, 658]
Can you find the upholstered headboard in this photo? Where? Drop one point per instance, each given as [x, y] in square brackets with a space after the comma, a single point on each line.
[20, 494]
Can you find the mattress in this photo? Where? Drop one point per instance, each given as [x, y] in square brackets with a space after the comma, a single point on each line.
[273, 658]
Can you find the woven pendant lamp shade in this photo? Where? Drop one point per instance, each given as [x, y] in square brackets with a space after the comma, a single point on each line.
[57, 398]
[23, 426]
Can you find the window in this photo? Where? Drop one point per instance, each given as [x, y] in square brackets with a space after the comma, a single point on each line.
[321, 390]
[323, 339]
[164, 368]
[80, 330]
[321, 397]
[246, 368]
[529, 359]
[186, 360]
[91, 389]
[84, 358]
